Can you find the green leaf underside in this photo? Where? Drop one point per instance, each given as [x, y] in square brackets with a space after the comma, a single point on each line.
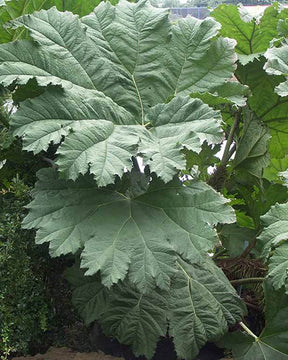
[275, 223]
[148, 229]
[140, 319]
[63, 39]
[273, 341]
[101, 136]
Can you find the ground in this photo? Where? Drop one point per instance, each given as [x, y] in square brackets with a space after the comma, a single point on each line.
[67, 354]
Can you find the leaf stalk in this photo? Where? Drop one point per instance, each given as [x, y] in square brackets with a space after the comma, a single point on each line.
[252, 280]
[248, 331]
[227, 153]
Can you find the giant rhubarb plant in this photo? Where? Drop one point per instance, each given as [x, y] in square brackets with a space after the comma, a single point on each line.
[128, 103]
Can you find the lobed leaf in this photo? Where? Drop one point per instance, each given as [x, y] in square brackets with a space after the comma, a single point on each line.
[85, 57]
[115, 229]
[208, 304]
[101, 137]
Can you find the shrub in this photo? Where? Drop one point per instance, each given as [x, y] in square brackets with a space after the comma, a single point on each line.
[23, 303]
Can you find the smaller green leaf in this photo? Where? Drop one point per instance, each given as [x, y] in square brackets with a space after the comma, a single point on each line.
[252, 151]
[245, 347]
[284, 174]
[246, 59]
[278, 267]
[273, 341]
[268, 106]
[243, 220]
[183, 122]
[277, 64]
[206, 158]
[283, 27]
[275, 170]
[202, 305]
[231, 92]
[275, 223]
[234, 237]
[253, 35]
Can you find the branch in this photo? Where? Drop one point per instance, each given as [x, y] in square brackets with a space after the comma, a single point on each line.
[253, 280]
[251, 245]
[4, 120]
[218, 178]
[227, 153]
[255, 307]
[219, 253]
[49, 161]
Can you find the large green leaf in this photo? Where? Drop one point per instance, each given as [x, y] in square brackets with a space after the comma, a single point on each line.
[181, 51]
[135, 71]
[82, 61]
[104, 136]
[273, 341]
[123, 235]
[199, 307]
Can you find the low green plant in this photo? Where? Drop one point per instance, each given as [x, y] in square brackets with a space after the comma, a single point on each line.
[23, 303]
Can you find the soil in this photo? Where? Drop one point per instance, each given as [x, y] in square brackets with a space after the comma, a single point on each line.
[68, 354]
